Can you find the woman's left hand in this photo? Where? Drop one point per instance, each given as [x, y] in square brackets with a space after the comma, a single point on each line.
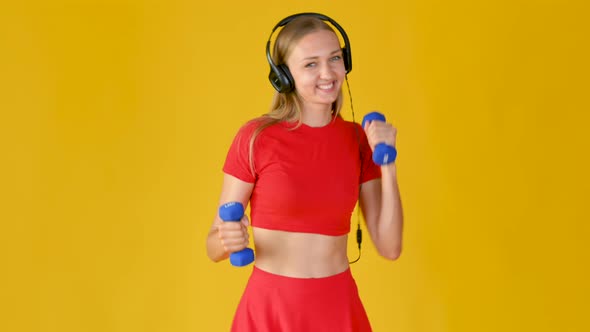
[380, 132]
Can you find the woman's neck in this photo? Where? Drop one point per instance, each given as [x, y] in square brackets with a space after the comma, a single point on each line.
[316, 117]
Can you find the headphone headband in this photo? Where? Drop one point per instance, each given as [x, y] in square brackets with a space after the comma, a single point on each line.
[279, 75]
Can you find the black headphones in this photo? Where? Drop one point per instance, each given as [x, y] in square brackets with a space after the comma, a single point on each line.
[279, 75]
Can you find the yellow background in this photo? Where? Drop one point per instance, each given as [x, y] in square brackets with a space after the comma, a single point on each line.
[116, 117]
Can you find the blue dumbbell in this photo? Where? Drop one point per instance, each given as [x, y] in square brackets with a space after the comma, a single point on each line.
[383, 154]
[233, 212]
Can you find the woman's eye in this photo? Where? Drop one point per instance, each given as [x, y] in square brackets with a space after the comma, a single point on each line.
[336, 58]
[310, 65]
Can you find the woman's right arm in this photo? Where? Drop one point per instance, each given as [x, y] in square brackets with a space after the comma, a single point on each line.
[227, 237]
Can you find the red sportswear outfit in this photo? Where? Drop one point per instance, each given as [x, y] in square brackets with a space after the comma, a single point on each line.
[306, 180]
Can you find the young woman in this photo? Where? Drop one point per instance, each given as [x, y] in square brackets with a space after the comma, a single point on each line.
[303, 168]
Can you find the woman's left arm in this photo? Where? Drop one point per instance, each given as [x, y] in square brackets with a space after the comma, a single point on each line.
[380, 198]
[382, 208]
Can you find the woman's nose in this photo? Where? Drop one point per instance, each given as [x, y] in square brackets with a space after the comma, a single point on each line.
[326, 71]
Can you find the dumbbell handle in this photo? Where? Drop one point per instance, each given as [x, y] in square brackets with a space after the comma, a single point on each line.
[383, 154]
[233, 212]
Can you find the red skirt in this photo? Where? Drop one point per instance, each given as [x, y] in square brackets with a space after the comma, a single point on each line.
[274, 303]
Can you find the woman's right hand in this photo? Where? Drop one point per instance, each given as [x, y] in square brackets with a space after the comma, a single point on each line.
[234, 235]
[227, 237]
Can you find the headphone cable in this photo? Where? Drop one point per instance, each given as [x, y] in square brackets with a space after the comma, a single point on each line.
[359, 232]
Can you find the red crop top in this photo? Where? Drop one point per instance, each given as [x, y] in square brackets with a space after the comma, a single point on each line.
[306, 179]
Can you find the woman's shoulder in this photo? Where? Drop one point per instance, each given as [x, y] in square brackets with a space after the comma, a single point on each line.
[248, 127]
[258, 126]
[348, 124]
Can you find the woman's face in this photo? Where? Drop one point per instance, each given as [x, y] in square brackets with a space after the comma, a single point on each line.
[317, 68]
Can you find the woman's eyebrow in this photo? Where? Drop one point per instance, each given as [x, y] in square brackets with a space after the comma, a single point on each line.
[315, 57]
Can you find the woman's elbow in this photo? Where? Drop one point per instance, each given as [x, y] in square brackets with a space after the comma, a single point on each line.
[392, 253]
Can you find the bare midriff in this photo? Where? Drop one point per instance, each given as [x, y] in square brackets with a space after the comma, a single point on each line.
[300, 255]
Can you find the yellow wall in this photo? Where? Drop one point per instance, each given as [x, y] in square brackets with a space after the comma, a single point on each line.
[116, 117]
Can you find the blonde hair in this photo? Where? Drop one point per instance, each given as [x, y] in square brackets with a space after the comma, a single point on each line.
[287, 106]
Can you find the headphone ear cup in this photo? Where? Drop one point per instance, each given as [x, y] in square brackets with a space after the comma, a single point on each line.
[289, 81]
[347, 59]
[281, 79]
